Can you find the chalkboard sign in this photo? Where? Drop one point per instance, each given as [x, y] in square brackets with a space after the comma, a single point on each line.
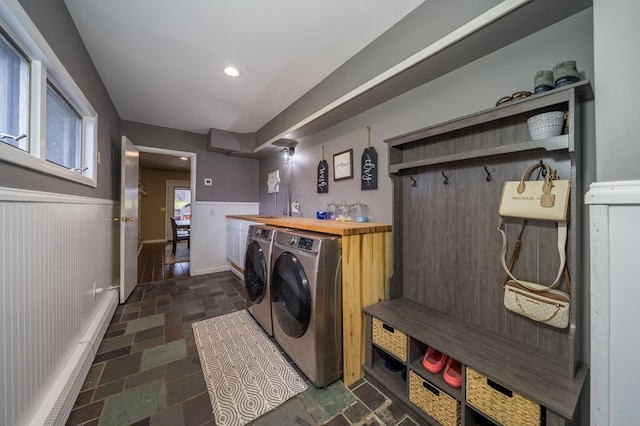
[323, 177]
[369, 176]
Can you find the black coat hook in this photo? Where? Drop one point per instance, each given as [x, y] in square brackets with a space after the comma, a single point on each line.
[488, 178]
[414, 182]
[542, 171]
[446, 179]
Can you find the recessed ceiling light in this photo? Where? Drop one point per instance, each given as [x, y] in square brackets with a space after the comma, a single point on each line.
[184, 158]
[232, 72]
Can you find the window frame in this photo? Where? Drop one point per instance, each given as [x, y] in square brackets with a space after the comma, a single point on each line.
[45, 67]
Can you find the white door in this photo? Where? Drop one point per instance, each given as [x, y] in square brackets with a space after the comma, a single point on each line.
[128, 219]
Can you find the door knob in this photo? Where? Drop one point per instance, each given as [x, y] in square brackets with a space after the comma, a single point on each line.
[124, 219]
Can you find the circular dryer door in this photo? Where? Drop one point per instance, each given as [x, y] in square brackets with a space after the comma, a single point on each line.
[255, 272]
[290, 295]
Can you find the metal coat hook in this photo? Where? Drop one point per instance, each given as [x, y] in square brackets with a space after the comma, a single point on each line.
[446, 179]
[488, 178]
[414, 182]
[542, 171]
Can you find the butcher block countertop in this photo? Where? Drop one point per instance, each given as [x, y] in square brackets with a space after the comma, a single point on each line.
[316, 225]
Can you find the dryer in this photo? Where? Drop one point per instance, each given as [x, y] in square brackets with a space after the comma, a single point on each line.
[257, 272]
[306, 302]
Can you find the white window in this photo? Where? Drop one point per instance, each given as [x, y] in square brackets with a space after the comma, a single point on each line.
[46, 122]
[14, 95]
[64, 138]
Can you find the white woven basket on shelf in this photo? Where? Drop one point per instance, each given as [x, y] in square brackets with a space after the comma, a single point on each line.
[546, 125]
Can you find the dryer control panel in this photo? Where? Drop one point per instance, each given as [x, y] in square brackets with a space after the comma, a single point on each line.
[305, 243]
[297, 241]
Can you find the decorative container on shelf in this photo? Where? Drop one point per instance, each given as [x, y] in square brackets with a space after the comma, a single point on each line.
[436, 403]
[499, 402]
[546, 125]
[388, 338]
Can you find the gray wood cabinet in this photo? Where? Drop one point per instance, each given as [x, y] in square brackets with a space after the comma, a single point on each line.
[446, 288]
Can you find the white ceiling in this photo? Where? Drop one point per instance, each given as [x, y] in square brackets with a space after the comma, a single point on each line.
[161, 60]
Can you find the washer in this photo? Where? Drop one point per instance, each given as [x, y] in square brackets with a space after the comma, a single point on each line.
[306, 302]
[257, 272]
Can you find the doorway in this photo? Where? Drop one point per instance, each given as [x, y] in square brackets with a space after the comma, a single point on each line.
[171, 161]
[178, 203]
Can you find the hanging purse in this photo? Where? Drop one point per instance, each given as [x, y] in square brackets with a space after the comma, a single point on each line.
[540, 200]
[537, 200]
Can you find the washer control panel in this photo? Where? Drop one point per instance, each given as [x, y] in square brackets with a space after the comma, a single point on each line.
[305, 243]
[298, 241]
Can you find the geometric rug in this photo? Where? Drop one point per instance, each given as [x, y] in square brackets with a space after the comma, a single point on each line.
[245, 373]
[182, 254]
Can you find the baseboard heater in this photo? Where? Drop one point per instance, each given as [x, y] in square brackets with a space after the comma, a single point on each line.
[57, 405]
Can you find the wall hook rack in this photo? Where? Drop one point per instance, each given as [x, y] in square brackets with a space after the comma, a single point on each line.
[446, 179]
[488, 178]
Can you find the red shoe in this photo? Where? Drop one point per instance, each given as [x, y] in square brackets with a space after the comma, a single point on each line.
[453, 373]
[434, 361]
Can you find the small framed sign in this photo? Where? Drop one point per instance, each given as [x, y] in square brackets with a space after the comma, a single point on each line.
[343, 165]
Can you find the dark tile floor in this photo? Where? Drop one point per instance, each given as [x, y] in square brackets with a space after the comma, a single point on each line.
[147, 370]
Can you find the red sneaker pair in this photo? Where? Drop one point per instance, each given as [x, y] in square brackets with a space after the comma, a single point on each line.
[434, 361]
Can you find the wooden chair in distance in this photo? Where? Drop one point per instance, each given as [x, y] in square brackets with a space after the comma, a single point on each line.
[179, 235]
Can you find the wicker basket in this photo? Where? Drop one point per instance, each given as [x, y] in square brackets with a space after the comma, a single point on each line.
[390, 339]
[436, 403]
[502, 404]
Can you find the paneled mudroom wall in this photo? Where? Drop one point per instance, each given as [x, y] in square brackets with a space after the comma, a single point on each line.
[55, 249]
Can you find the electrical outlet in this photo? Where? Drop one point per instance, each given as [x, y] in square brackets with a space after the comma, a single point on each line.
[208, 181]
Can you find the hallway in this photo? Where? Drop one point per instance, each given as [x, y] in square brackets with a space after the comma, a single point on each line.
[152, 264]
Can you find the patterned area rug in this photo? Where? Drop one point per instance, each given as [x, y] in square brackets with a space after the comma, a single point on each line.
[182, 254]
[245, 373]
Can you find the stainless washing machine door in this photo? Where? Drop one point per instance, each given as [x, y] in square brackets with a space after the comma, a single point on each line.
[255, 273]
[290, 295]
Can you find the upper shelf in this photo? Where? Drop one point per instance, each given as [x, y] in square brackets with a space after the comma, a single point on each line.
[550, 144]
[580, 91]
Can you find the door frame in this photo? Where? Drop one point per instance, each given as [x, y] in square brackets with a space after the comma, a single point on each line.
[192, 178]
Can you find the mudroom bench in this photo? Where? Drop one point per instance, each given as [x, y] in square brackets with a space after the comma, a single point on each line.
[446, 291]
[514, 367]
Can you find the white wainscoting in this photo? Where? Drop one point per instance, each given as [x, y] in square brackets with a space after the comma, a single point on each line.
[614, 209]
[54, 248]
[208, 236]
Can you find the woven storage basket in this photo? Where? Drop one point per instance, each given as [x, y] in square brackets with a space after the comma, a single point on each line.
[502, 404]
[436, 403]
[390, 339]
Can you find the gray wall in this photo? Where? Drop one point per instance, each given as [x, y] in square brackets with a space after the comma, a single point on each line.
[55, 24]
[466, 90]
[234, 179]
[617, 90]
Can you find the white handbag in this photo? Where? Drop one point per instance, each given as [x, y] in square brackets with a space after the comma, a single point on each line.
[547, 199]
[536, 200]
